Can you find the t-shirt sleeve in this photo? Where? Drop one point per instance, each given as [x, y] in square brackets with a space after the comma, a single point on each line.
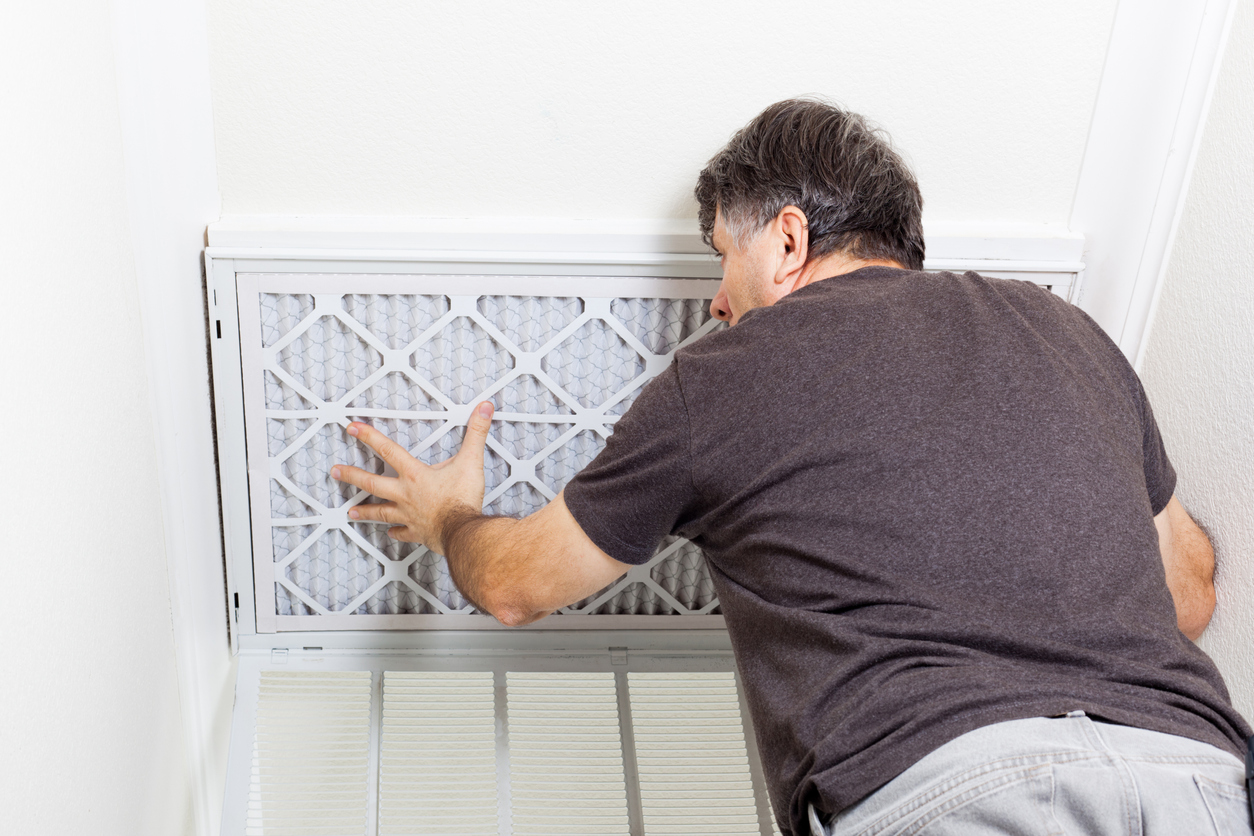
[1160, 476]
[638, 489]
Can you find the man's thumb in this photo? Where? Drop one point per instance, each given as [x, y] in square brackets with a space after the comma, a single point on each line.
[477, 431]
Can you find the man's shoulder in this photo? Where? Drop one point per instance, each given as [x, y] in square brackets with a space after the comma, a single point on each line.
[1030, 301]
[1020, 290]
[901, 313]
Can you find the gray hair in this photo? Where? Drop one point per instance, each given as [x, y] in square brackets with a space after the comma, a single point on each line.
[858, 195]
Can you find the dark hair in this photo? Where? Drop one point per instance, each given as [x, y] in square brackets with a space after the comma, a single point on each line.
[858, 195]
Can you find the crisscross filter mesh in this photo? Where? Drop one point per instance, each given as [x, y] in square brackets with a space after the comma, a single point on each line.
[561, 368]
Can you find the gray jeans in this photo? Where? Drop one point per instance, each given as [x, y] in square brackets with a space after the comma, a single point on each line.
[1065, 775]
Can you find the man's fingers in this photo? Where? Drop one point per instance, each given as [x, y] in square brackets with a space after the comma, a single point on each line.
[477, 433]
[388, 450]
[384, 512]
[403, 534]
[384, 487]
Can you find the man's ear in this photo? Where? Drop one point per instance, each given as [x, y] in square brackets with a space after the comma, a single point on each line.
[794, 234]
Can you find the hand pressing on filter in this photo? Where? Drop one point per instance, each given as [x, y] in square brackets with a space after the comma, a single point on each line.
[517, 570]
[421, 498]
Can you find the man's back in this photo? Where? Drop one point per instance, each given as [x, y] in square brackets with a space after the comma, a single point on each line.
[927, 502]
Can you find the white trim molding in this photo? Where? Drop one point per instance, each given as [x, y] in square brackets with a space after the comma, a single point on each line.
[162, 63]
[1045, 254]
[363, 233]
[1156, 86]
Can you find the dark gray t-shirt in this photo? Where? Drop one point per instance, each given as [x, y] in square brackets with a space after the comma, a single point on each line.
[926, 502]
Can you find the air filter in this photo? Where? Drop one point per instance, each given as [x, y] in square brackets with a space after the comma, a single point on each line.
[412, 355]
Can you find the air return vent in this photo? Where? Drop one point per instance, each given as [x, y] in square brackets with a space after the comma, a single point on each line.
[311, 753]
[565, 755]
[495, 751]
[690, 754]
[412, 355]
[355, 725]
[437, 754]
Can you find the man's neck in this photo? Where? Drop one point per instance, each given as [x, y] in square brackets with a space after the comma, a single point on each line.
[838, 264]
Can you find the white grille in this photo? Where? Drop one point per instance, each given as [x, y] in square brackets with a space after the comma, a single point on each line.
[690, 754]
[565, 755]
[311, 754]
[437, 754]
[318, 352]
[492, 751]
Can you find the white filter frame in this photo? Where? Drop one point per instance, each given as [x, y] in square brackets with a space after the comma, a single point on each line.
[255, 579]
[463, 293]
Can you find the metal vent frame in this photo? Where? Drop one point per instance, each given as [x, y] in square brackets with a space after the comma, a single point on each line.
[231, 279]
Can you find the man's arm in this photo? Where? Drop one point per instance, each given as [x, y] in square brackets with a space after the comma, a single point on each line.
[522, 570]
[1190, 565]
[517, 570]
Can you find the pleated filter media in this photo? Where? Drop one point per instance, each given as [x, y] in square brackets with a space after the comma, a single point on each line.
[478, 753]
[318, 353]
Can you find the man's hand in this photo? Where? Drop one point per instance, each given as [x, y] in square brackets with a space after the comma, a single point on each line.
[1189, 563]
[421, 498]
[517, 570]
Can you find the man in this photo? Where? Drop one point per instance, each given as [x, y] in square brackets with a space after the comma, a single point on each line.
[937, 510]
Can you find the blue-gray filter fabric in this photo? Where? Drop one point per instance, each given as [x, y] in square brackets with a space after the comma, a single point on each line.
[400, 362]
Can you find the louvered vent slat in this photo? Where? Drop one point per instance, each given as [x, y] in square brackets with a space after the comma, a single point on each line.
[566, 764]
[437, 758]
[311, 754]
[691, 755]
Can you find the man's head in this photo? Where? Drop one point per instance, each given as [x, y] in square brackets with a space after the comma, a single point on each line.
[805, 182]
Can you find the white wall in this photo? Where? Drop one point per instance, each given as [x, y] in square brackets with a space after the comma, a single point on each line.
[606, 110]
[92, 739]
[1199, 366]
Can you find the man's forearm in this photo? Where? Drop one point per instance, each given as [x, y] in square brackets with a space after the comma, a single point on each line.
[487, 559]
[1194, 591]
[1189, 563]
